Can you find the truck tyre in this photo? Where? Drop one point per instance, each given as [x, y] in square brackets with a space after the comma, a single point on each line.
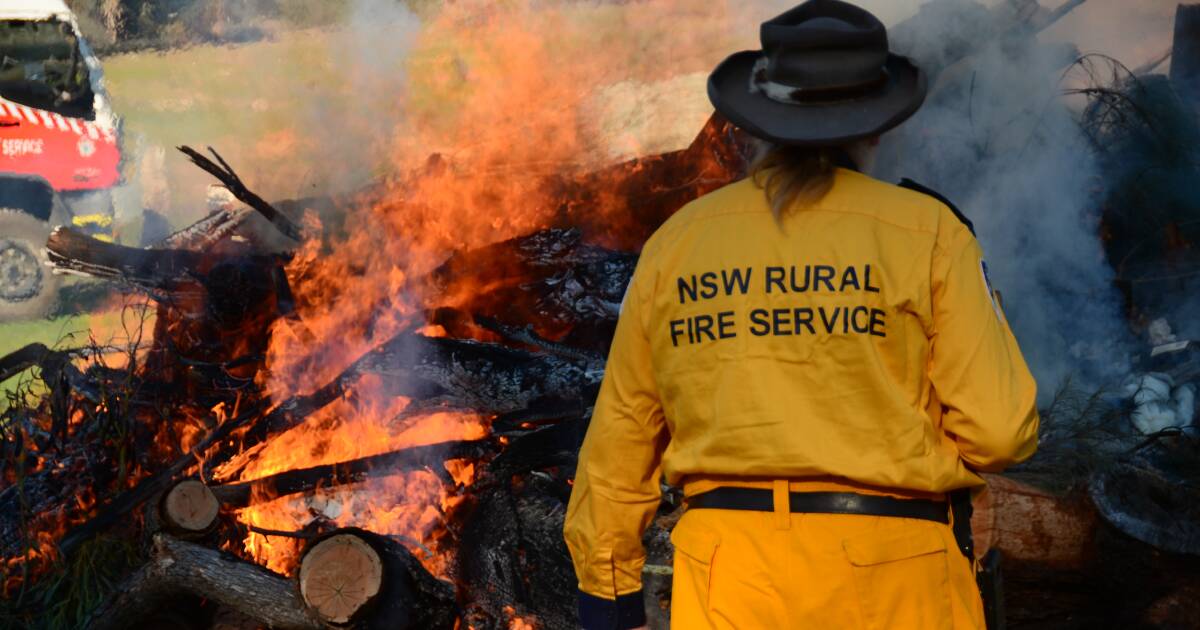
[28, 289]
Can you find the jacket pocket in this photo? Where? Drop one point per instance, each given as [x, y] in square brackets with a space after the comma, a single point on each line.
[691, 584]
[902, 578]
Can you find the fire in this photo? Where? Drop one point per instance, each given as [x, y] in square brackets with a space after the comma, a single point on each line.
[517, 622]
[493, 127]
[409, 505]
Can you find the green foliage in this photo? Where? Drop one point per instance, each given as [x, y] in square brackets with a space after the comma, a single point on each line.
[313, 13]
[63, 599]
[1081, 430]
[124, 25]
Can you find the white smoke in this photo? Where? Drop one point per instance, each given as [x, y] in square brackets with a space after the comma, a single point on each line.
[997, 137]
[369, 53]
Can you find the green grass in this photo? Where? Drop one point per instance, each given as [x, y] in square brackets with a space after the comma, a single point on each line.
[67, 331]
[16, 335]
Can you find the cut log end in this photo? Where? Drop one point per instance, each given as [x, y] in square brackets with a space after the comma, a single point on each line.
[190, 508]
[339, 578]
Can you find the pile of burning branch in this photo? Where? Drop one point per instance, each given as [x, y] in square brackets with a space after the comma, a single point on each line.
[486, 389]
[268, 455]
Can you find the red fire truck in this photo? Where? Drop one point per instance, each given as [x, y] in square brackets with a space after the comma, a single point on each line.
[59, 156]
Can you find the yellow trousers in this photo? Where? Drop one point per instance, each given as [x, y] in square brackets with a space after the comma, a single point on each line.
[764, 570]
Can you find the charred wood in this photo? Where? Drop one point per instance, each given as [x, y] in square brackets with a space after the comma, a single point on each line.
[620, 206]
[26, 357]
[567, 290]
[72, 250]
[206, 232]
[431, 456]
[226, 175]
[488, 378]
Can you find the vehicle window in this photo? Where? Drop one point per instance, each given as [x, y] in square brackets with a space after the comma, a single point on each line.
[40, 66]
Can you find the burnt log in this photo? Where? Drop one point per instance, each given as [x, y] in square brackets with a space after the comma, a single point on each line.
[569, 291]
[206, 232]
[226, 275]
[164, 269]
[178, 568]
[512, 559]
[355, 578]
[431, 456]
[620, 206]
[24, 358]
[487, 378]
[226, 175]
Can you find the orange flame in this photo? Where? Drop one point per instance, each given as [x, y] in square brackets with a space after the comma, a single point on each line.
[496, 120]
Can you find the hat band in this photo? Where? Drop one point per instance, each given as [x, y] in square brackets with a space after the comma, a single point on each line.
[792, 95]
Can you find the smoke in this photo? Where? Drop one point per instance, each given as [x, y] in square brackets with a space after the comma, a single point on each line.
[347, 94]
[998, 138]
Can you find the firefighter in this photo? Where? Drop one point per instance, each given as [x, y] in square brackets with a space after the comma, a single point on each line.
[816, 358]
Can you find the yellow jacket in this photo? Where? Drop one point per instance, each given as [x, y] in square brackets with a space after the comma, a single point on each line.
[859, 341]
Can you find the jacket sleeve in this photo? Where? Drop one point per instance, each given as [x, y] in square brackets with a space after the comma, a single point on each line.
[988, 396]
[616, 489]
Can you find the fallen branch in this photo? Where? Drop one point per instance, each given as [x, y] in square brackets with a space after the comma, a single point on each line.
[18, 361]
[177, 567]
[431, 456]
[233, 183]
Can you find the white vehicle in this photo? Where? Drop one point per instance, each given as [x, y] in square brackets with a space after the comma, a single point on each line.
[59, 155]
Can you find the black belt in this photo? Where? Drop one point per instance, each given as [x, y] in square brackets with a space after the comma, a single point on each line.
[762, 500]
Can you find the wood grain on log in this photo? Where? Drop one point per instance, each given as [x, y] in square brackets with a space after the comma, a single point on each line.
[1028, 524]
[339, 578]
[340, 572]
[189, 509]
[177, 568]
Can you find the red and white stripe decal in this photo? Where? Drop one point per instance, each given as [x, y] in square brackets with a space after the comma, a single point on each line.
[51, 120]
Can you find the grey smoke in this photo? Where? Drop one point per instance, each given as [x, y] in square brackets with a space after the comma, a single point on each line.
[998, 138]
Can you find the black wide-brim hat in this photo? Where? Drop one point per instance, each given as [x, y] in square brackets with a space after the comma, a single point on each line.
[824, 77]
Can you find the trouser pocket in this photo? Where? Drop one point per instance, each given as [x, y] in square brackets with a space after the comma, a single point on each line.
[691, 584]
[902, 578]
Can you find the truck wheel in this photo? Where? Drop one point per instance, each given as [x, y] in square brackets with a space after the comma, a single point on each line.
[28, 289]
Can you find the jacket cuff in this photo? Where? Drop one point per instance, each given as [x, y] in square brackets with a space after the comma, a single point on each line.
[624, 612]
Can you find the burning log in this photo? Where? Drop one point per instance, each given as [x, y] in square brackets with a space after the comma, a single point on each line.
[487, 378]
[178, 568]
[189, 509]
[431, 456]
[351, 577]
[565, 288]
